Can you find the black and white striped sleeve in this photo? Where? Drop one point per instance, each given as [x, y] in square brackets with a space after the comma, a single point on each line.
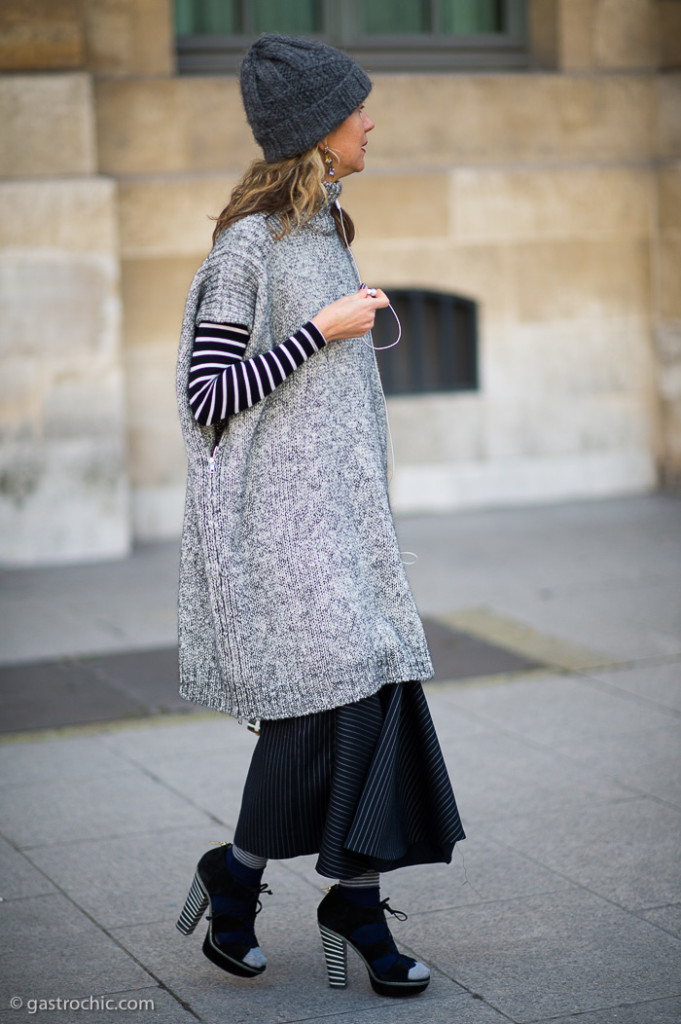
[222, 382]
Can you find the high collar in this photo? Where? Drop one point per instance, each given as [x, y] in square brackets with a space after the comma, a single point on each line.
[323, 221]
[333, 190]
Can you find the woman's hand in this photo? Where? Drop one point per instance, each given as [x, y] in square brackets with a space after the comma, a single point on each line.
[352, 316]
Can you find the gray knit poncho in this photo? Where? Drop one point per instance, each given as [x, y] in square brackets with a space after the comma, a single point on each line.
[293, 596]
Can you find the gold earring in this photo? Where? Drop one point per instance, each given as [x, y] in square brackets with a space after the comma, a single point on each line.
[328, 162]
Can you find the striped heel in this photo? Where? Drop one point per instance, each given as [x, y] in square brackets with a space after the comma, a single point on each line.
[336, 957]
[230, 941]
[194, 908]
[342, 923]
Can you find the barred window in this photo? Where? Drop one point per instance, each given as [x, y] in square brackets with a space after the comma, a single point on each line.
[391, 35]
[439, 346]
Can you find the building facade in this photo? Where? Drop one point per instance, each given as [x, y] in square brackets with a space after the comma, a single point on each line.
[549, 193]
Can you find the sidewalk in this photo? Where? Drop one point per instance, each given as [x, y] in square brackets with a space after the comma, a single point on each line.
[564, 904]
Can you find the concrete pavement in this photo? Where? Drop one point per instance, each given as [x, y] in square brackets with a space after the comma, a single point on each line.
[564, 904]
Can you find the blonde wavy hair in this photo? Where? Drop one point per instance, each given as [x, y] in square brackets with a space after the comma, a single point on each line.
[291, 192]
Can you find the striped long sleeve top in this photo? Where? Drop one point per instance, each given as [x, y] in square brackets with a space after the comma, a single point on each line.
[222, 382]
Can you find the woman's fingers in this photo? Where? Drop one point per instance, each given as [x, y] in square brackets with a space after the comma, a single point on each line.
[377, 295]
[352, 316]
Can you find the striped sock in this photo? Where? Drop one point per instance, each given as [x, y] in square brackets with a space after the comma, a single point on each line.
[363, 890]
[246, 867]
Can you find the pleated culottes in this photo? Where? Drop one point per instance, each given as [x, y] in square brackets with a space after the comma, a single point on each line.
[365, 786]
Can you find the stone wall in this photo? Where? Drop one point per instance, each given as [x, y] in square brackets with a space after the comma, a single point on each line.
[63, 479]
[551, 197]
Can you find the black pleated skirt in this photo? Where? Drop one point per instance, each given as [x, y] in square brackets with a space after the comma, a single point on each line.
[365, 786]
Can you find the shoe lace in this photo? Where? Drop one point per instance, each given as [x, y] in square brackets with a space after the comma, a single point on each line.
[262, 889]
[399, 914]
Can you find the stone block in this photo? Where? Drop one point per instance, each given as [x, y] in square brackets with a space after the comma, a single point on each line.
[669, 275]
[64, 491]
[154, 293]
[399, 205]
[156, 454]
[543, 33]
[129, 37]
[668, 120]
[46, 126]
[568, 359]
[21, 388]
[216, 133]
[669, 202]
[40, 35]
[575, 34]
[625, 34]
[171, 125]
[139, 127]
[62, 501]
[437, 428]
[507, 482]
[547, 426]
[72, 216]
[668, 349]
[170, 218]
[57, 308]
[561, 280]
[476, 272]
[510, 206]
[669, 27]
[509, 118]
[586, 385]
[83, 399]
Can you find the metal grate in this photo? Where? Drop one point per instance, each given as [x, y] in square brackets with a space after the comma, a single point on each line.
[439, 346]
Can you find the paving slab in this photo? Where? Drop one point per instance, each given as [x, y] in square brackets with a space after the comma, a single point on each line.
[123, 803]
[559, 711]
[627, 851]
[34, 760]
[549, 956]
[482, 870]
[655, 1011]
[668, 917]
[645, 761]
[158, 871]
[59, 951]
[99, 608]
[658, 684]
[598, 574]
[19, 876]
[498, 776]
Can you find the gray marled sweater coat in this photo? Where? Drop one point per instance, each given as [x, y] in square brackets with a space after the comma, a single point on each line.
[293, 596]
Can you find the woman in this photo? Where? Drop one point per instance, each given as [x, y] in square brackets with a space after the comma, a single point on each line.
[294, 605]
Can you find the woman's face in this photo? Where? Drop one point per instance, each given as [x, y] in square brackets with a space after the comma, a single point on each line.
[347, 143]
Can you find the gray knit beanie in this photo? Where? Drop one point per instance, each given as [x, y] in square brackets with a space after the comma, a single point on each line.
[296, 91]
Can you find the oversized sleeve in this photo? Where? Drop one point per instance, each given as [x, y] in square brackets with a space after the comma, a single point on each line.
[229, 290]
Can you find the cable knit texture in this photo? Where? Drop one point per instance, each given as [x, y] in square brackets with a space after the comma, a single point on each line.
[293, 597]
